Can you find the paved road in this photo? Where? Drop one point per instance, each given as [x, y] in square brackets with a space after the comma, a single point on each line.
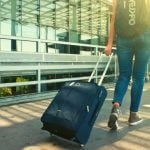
[20, 128]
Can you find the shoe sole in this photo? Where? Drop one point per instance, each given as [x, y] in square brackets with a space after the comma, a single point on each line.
[112, 123]
[135, 123]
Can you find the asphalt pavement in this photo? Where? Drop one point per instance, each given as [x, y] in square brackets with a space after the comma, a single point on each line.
[20, 128]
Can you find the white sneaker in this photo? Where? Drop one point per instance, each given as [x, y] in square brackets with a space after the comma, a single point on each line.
[134, 119]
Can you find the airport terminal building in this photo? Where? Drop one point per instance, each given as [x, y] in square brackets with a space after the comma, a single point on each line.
[44, 44]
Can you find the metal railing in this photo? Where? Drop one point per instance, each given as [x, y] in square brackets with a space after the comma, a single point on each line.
[37, 62]
[10, 61]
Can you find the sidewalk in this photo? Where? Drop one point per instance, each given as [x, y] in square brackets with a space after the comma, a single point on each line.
[20, 128]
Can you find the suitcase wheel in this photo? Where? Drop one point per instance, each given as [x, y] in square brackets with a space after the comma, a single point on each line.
[82, 147]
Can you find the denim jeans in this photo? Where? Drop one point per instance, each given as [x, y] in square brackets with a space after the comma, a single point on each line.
[133, 55]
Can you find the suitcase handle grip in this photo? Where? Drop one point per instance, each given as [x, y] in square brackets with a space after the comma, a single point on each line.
[104, 72]
[106, 68]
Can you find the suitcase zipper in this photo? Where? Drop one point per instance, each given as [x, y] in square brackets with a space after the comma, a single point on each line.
[96, 112]
[87, 108]
[100, 94]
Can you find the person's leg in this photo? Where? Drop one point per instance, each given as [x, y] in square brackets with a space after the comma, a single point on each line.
[140, 64]
[125, 56]
[142, 55]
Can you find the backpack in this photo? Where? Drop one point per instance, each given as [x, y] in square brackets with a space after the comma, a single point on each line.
[132, 17]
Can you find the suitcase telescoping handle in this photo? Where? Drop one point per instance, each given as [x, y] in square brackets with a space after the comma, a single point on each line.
[105, 70]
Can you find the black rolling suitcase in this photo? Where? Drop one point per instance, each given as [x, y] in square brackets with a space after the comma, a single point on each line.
[74, 109]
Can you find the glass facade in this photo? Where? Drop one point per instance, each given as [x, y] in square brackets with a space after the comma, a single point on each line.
[79, 21]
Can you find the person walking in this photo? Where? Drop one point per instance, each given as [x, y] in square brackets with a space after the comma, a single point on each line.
[130, 25]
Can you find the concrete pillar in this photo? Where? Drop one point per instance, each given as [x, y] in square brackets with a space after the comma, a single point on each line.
[38, 44]
[13, 25]
[73, 36]
[0, 25]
